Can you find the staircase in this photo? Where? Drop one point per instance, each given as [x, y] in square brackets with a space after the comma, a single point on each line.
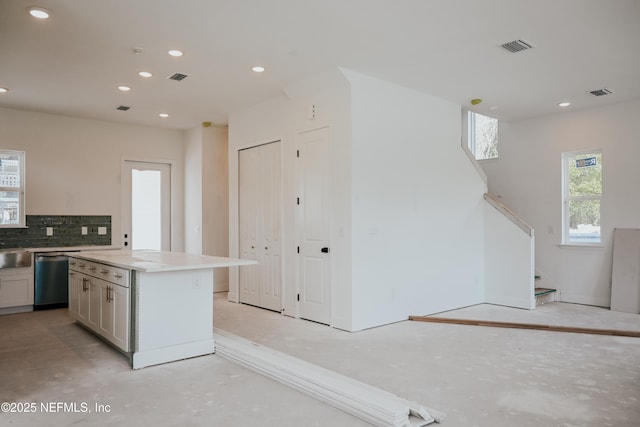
[544, 295]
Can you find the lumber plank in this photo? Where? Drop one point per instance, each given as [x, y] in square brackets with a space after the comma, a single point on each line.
[535, 326]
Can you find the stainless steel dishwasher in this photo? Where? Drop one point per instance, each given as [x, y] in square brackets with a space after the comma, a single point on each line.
[51, 280]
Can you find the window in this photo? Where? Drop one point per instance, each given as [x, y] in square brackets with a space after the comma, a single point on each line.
[482, 136]
[582, 194]
[12, 213]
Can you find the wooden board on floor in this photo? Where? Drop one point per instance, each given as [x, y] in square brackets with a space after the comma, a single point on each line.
[614, 332]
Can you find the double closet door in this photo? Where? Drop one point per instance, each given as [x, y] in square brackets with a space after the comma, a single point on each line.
[260, 202]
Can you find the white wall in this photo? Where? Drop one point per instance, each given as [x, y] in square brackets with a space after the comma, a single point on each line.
[408, 218]
[193, 191]
[509, 262]
[215, 199]
[74, 165]
[528, 177]
[282, 119]
[417, 206]
[206, 196]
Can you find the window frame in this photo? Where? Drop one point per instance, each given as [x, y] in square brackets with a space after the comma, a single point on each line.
[21, 189]
[470, 125]
[567, 198]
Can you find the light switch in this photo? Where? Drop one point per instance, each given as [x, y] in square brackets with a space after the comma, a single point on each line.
[102, 231]
[49, 231]
[84, 231]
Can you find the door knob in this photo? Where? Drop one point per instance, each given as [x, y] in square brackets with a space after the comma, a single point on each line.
[324, 250]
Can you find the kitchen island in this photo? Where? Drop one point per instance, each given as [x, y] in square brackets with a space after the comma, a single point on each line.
[154, 306]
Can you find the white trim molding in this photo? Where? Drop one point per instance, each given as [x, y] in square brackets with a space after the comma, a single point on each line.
[361, 400]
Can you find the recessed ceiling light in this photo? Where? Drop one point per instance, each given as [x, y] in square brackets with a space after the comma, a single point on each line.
[175, 53]
[39, 12]
[3, 90]
[258, 69]
[145, 74]
[493, 107]
[564, 104]
[124, 88]
[163, 115]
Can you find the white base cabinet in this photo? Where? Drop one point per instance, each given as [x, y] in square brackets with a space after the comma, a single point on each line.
[99, 298]
[114, 313]
[156, 306]
[16, 287]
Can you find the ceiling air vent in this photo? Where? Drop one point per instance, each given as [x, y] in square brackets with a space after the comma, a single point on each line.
[516, 46]
[122, 108]
[178, 77]
[600, 92]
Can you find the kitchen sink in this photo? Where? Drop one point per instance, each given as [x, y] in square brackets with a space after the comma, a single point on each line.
[15, 259]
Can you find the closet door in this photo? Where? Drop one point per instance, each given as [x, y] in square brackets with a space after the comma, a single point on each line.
[260, 225]
[248, 205]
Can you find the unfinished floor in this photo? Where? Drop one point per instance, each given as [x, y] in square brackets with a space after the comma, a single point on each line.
[478, 376]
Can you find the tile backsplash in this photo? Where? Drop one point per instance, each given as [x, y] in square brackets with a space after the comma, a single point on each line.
[67, 231]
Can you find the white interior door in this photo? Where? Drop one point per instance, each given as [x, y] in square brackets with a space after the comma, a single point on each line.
[248, 165]
[260, 204]
[314, 213]
[146, 216]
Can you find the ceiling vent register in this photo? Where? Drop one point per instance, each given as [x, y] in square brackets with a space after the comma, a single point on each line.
[178, 77]
[600, 92]
[122, 108]
[516, 46]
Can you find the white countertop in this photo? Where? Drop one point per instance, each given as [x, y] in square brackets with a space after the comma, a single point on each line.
[158, 261]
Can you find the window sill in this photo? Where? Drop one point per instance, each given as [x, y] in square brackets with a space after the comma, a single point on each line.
[596, 246]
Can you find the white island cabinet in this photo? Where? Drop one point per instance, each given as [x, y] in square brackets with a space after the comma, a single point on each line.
[155, 306]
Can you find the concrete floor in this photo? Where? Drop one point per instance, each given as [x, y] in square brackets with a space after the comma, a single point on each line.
[478, 376]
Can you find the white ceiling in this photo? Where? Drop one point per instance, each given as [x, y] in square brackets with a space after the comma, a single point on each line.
[72, 63]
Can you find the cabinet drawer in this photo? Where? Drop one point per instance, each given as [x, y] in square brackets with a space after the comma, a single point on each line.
[80, 265]
[117, 275]
[112, 274]
[74, 264]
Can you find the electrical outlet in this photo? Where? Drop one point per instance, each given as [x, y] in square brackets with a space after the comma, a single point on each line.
[49, 231]
[102, 231]
[84, 231]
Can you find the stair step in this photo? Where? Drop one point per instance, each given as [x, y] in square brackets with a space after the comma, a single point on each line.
[544, 295]
[543, 291]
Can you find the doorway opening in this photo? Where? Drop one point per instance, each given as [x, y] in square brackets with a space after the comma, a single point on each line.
[146, 219]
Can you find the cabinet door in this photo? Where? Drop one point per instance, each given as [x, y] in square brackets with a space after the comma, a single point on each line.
[14, 292]
[16, 287]
[114, 318]
[106, 314]
[120, 302]
[83, 298]
[94, 302]
[74, 298]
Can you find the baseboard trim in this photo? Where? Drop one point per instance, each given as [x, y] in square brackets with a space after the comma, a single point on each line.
[156, 356]
[220, 286]
[15, 310]
[361, 400]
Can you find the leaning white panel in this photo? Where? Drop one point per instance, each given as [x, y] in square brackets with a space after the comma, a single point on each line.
[371, 404]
